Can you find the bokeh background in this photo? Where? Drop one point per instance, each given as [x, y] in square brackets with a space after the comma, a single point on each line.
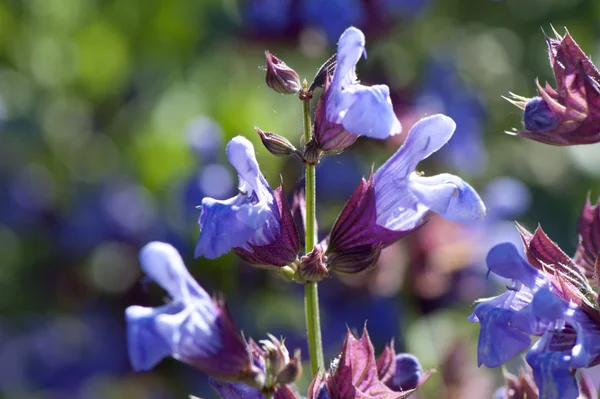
[114, 115]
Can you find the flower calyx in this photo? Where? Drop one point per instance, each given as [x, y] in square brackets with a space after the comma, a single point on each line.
[312, 267]
[276, 144]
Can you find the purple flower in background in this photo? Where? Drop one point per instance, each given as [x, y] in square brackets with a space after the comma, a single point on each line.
[192, 328]
[361, 110]
[250, 218]
[445, 92]
[332, 16]
[396, 200]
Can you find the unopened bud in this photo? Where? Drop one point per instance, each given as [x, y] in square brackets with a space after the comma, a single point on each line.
[281, 77]
[291, 371]
[312, 266]
[276, 144]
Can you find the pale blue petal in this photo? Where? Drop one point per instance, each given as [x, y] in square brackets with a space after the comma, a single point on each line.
[449, 196]
[369, 111]
[360, 109]
[163, 264]
[251, 217]
[426, 137]
[146, 346]
[234, 223]
[350, 48]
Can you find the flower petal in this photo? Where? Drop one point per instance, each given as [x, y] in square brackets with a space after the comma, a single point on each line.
[163, 264]
[499, 341]
[369, 112]
[552, 374]
[449, 196]
[505, 261]
[426, 137]
[361, 110]
[251, 217]
[146, 346]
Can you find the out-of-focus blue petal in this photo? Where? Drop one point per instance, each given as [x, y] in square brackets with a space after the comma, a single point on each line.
[408, 372]
[147, 347]
[237, 390]
[449, 196]
[163, 264]
[186, 328]
[251, 217]
[551, 371]
[499, 341]
[506, 198]
[505, 261]
[360, 109]
[332, 16]
[271, 16]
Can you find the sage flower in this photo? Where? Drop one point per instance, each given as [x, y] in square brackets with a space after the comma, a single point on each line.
[192, 327]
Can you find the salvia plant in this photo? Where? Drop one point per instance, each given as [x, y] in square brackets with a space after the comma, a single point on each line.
[552, 296]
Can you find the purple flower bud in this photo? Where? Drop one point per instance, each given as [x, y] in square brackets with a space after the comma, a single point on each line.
[192, 328]
[281, 77]
[569, 114]
[312, 266]
[396, 200]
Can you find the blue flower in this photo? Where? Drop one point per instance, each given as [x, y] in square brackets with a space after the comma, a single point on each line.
[192, 328]
[403, 196]
[572, 340]
[251, 217]
[361, 110]
[508, 320]
[395, 200]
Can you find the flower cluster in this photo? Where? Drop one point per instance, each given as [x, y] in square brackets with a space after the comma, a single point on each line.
[553, 296]
[259, 226]
[569, 114]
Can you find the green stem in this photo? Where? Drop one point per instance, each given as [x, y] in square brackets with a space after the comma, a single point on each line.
[311, 293]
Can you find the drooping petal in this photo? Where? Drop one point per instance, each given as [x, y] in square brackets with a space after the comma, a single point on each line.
[447, 195]
[147, 347]
[361, 110]
[251, 217]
